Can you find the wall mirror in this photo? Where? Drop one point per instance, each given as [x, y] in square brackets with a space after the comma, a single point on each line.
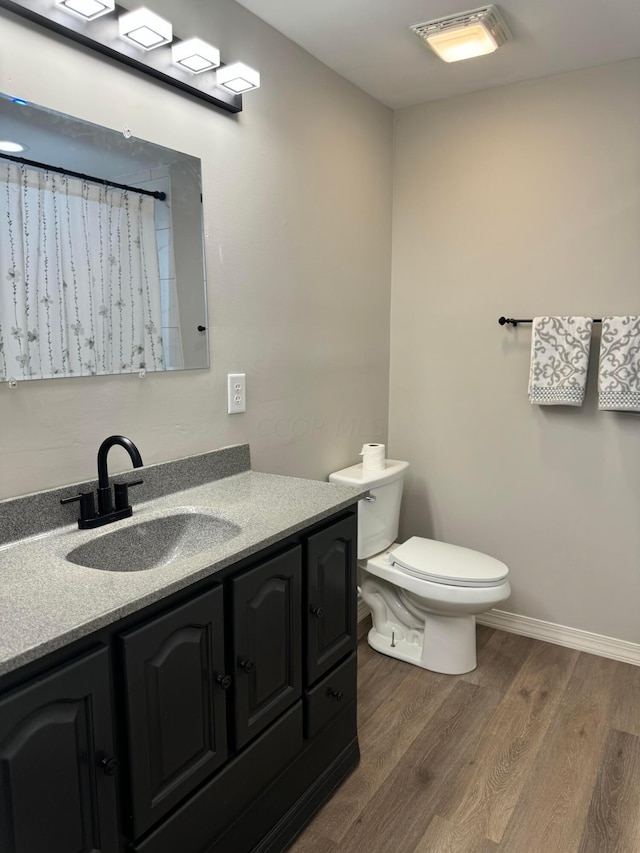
[101, 250]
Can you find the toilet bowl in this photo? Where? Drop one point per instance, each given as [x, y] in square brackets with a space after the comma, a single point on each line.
[424, 595]
[424, 598]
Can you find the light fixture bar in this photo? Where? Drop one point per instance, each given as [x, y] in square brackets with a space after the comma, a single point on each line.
[102, 35]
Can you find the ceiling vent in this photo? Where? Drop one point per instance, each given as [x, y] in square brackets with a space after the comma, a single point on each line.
[466, 34]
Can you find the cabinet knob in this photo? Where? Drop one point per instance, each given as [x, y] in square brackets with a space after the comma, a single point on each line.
[318, 612]
[337, 695]
[110, 765]
[224, 681]
[247, 665]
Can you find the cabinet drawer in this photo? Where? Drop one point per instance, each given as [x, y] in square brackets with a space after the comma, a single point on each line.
[192, 826]
[325, 701]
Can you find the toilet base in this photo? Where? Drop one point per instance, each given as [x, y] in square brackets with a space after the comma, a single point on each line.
[396, 645]
[450, 647]
[439, 642]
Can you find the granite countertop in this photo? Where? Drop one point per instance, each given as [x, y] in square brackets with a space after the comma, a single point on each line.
[47, 602]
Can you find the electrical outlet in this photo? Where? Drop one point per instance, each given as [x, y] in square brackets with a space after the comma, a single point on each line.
[236, 393]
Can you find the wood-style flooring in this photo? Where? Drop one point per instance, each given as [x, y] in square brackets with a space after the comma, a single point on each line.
[536, 751]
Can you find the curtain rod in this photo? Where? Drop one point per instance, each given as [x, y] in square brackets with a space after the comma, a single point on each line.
[153, 193]
[510, 321]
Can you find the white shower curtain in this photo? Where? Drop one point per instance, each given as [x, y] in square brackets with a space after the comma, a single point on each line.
[79, 277]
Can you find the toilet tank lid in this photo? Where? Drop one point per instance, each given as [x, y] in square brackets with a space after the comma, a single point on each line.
[355, 476]
[449, 564]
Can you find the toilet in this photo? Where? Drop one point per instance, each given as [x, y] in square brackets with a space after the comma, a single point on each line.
[424, 595]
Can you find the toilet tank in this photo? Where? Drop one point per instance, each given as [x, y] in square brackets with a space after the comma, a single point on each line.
[379, 514]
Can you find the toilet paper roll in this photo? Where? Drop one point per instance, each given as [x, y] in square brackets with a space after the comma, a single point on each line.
[373, 458]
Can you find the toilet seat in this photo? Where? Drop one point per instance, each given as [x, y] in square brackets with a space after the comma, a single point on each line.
[440, 562]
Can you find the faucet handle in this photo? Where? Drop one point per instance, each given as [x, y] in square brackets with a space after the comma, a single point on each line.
[87, 505]
[121, 492]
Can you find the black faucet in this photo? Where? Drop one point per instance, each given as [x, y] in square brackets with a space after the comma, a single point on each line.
[105, 504]
[107, 510]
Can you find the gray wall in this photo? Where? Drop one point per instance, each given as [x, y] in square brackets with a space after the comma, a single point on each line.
[297, 208]
[520, 200]
[523, 200]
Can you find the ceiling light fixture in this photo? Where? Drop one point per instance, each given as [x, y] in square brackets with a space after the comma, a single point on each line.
[238, 77]
[466, 34]
[195, 55]
[88, 10]
[12, 147]
[145, 29]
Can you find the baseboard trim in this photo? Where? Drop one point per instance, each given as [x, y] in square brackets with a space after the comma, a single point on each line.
[562, 635]
[550, 632]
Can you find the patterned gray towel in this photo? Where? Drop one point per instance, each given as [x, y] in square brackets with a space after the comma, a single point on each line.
[619, 372]
[559, 360]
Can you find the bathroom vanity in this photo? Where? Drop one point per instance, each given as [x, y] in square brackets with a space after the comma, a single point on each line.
[207, 703]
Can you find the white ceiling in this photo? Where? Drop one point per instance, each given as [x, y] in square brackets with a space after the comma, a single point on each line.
[369, 42]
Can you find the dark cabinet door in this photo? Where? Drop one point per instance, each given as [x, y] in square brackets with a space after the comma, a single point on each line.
[57, 788]
[331, 558]
[267, 640]
[176, 705]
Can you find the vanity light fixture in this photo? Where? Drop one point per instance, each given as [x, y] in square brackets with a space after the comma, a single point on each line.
[238, 77]
[466, 34]
[86, 22]
[195, 55]
[88, 10]
[144, 29]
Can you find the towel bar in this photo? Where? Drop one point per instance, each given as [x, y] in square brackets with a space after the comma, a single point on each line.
[510, 321]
